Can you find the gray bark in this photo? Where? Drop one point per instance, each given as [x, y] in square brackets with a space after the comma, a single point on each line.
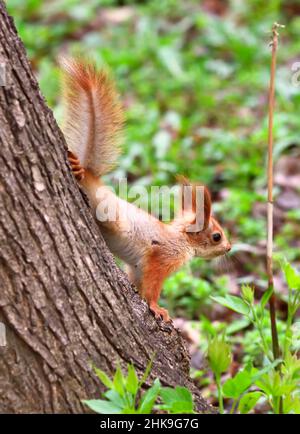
[63, 300]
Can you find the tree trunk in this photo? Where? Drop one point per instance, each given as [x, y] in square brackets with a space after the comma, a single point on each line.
[63, 301]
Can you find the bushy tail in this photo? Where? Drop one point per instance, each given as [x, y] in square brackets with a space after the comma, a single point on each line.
[93, 115]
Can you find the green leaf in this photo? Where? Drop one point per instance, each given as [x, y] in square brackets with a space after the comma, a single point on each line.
[249, 401]
[234, 303]
[149, 398]
[132, 381]
[291, 366]
[178, 400]
[103, 378]
[292, 277]
[265, 370]
[129, 410]
[147, 371]
[167, 394]
[237, 385]
[182, 393]
[264, 383]
[180, 407]
[118, 382]
[265, 298]
[248, 294]
[218, 355]
[237, 325]
[102, 407]
[115, 398]
[207, 326]
[291, 404]
[273, 384]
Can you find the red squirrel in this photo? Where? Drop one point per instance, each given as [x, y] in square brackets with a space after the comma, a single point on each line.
[151, 249]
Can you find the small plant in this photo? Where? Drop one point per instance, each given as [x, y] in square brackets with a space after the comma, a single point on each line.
[125, 396]
[219, 358]
[278, 380]
[293, 283]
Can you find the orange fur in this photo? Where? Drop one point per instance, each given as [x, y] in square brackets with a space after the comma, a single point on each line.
[93, 115]
[157, 267]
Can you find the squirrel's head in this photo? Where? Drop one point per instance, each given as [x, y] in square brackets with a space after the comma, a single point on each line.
[203, 232]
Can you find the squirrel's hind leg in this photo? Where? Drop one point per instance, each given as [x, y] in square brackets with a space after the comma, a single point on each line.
[134, 275]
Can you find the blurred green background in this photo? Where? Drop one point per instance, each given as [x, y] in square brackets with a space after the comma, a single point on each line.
[193, 76]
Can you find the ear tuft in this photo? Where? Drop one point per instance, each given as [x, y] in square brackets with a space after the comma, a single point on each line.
[182, 180]
[207, 207]
[189, 210]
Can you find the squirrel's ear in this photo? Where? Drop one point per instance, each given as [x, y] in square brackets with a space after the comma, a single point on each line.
[191, 196]
[207, 207]
[187, 203]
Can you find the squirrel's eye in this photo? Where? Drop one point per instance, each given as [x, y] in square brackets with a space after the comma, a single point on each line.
[216, 237]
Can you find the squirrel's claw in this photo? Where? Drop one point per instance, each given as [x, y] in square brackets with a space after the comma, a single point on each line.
[79, 174]
[77, 169]
[160, 312]
[72, 157]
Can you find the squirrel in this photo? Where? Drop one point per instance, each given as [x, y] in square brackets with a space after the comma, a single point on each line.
[151, 248]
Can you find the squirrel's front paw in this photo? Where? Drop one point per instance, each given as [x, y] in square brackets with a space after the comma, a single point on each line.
[77, 170]
[160, 312]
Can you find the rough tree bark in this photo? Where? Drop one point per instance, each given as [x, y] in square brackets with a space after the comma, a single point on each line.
[63, 300]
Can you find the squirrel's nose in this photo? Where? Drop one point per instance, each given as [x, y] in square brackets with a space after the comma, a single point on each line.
[228, 248]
